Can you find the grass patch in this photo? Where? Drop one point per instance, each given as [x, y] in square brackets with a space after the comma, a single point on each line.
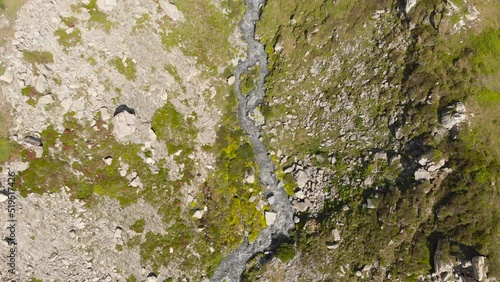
[33, 95]
[138, 225]
[68, 40]
[98, 19]
[6, 149]
[126, 68]
[213, 48]
[38, 57]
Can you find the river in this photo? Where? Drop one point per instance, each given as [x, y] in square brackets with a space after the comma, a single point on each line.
[232, 267]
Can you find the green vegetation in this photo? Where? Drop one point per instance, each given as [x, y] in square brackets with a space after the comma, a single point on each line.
[5, 149]
[460, 212]
[125, 67]
[249, 79]
[172, 70]
[138, 225]
[285, 252]
[69, 21]
[131, 278]
[33, 95]
[98, 19]
[38, 57]
[68, 40]
[212, 49]
[141, 23]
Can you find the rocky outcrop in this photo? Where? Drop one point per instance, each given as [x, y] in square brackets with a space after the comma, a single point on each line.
[453, 115]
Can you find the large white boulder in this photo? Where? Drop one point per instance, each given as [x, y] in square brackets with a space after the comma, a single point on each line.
[124, 124]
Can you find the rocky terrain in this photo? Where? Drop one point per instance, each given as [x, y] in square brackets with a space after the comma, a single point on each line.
[291, 141]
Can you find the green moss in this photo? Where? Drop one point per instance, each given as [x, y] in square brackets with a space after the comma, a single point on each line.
[92, 61]
[5, 149]
[212, 48]
[486, 57]
[127, 68]
[285, 252]
[98, 19]
[249, 79]
[138, 225]
[131, 278]
[69, 21]
[33, 95]
[172, 70]
[68, 40]
[141, 23]
[38, 57]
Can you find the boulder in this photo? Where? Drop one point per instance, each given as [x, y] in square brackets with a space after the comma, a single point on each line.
[118, 232]
[108, 160]
[480, 268]
[422, 174]
[41, 84]
[231, 80]
[124, 124]
[198, 214]
[300, 206]
[171, 11]
[300, 195]
[106, 5]
[302, 179]
[270, 217]
[250, 179]
[7, 76]
[453, 115]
